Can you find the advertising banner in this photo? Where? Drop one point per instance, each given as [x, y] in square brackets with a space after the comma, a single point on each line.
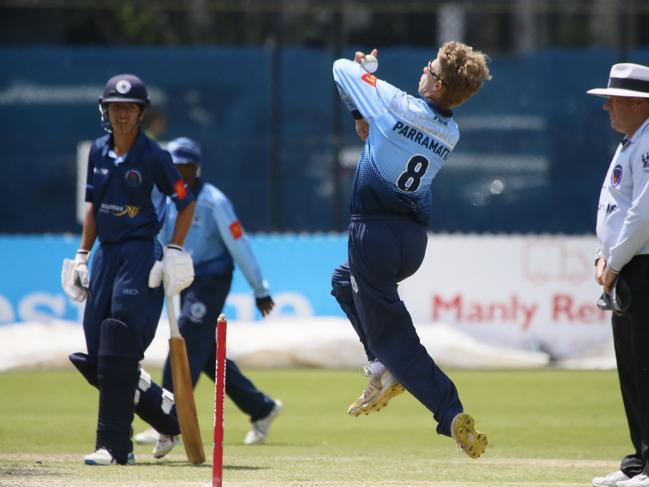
[527, 292]
[532, 292]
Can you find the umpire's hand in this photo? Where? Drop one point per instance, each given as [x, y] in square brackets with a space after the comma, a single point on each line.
[600, 267]
[265, 305]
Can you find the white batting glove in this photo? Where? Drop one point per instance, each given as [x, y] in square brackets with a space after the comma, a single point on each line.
[74, 276]
[176, 269]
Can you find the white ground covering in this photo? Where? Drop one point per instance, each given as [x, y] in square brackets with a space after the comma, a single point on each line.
[317, 342]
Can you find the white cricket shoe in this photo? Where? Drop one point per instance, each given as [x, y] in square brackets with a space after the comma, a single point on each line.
[469, 440]
[147, 437]
[260, 427]
[640, 480]
[610, 480]
[164, 445]
[104, 457]
[382, 387]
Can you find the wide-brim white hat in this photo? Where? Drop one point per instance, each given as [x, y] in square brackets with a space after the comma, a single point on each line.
[626, 79]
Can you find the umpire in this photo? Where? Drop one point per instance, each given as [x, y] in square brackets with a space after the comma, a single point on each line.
[623, 235]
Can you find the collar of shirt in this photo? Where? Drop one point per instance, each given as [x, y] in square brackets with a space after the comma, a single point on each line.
[627, 141]
[117, 160]
[132, 155]
[442, 111]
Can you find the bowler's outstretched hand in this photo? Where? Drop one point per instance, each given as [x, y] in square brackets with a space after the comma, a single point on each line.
[359, 55]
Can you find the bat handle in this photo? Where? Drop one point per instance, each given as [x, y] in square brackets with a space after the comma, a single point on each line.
[174, 331]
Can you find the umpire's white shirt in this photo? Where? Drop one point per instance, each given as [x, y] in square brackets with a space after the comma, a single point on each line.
[623, 210]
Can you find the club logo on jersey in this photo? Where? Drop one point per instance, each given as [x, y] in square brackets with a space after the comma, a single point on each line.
[645, 161]
[616, 176]
[236, 230]
[181, 192]
[123, 86]
[133, 178]
[100, 170]
[197, 311]
[130, 211]
[370, 79]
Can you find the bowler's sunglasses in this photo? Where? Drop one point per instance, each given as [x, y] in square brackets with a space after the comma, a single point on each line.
[434, 74]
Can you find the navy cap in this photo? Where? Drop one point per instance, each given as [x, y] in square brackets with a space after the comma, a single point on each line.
[184, 150]
[125, 88]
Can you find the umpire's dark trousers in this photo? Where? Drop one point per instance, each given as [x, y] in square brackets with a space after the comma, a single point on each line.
[382, 252]
[631, 338]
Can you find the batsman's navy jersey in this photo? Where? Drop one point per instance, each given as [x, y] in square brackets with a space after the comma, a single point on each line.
[622, 224]
[409, 140]
[127, 192]
[216, 237]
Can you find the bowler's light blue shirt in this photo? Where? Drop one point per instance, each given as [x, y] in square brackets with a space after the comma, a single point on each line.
[409, 141]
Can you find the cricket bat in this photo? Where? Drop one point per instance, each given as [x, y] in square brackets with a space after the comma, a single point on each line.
[183, 391]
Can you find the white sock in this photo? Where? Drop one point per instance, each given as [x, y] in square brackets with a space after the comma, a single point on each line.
[376, 368]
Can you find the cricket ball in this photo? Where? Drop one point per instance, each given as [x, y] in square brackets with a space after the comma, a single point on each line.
[370, 63]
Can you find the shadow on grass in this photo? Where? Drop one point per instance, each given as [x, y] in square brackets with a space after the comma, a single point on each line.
[170, 463]
[243, 467]
[181, 463]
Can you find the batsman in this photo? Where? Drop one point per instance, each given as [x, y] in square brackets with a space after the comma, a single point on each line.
[127, 179]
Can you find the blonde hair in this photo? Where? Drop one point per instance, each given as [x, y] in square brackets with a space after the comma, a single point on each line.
[463, 71]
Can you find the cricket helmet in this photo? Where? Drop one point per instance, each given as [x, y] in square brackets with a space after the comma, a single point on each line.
[123, 88]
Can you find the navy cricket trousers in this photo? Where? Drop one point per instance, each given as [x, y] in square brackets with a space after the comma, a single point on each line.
[119, 289]
[201, 305]
[382, 252]
[119, 323]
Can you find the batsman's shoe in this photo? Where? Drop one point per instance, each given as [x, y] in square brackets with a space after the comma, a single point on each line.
[469, 440]
[147, 437]
[610, 480]
[164, 445]
[104, 457]
[260, 428]
[640, 480]
[377, 394]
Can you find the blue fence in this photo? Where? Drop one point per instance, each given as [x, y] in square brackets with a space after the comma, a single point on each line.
[533, 151]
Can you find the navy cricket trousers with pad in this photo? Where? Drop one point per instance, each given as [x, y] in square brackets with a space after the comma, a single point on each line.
[201, 305]
[382, 252]
[119, 323]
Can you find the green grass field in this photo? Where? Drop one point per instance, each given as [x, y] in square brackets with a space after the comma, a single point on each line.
[545, 428]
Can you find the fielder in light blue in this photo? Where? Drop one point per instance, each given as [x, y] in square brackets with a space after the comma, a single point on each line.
[215, 241]
[407, 141]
